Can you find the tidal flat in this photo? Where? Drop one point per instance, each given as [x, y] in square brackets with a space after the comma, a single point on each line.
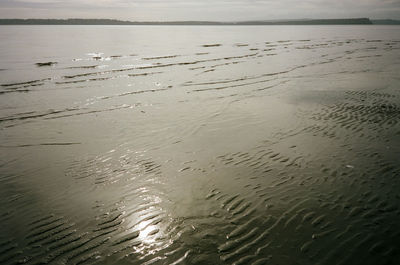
[200, 145]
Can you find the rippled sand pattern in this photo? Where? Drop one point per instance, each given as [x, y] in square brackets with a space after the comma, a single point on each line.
[267, 150]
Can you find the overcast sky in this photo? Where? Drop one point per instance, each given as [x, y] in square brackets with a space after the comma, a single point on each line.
[218, 10]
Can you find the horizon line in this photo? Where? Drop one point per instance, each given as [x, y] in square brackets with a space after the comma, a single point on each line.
[107, 21]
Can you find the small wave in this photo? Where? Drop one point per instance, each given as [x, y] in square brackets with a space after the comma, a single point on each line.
[46, 64]
[212, 45]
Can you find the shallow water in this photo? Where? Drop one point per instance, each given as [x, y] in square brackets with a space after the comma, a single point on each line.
[200, 145]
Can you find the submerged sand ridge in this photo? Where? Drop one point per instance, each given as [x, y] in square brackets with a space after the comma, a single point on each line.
[255, 145]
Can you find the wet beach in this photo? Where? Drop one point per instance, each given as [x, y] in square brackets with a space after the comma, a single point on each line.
[199, 145]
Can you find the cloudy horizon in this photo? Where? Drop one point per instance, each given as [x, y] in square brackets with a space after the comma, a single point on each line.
[217, 10]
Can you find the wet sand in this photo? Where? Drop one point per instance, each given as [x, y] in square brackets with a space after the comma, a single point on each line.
[238, 145]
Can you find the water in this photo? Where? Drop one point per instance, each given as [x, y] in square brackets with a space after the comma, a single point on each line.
[200, 145]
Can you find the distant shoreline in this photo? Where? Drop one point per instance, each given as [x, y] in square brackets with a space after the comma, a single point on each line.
[349, 21]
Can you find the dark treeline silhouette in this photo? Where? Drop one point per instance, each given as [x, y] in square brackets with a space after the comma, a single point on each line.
[349, 21]
[77, 21]
[385, 22]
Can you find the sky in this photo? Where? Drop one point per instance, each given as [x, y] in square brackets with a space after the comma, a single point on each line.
[216, 10]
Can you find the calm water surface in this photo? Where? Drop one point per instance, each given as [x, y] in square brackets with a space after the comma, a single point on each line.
[200, 145]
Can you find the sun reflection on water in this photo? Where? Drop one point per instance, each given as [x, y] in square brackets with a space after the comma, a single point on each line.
[149, 221]
[147, 233]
